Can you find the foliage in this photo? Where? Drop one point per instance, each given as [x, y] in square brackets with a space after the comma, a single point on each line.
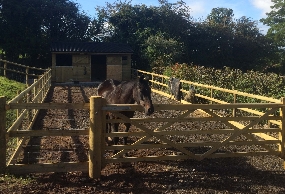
[222, 41]
[220, 16]
[275, 20]
[27, 28]
[14, 181]
[142, 27]
[218, 41]
[254, 82]
[10, 89]
[162, 51]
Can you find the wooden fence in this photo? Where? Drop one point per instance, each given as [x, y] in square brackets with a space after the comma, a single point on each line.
[271, 143]
[33, 95]
[240, 129]
[160, 86]
[19, 72]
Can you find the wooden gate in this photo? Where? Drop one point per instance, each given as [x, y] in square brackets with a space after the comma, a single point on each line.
[240, 131]
[244, 128]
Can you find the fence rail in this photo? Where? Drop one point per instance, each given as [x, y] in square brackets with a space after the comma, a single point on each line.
[35, 93]
[162, 81]
[265, 137]
[160, 86]
[269, 139]
[16, 69]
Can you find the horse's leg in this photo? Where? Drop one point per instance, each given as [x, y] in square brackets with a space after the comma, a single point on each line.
[108, 128]
[115, 127]
[128, 125]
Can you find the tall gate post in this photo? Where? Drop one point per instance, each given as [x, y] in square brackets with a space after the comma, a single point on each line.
[5, 69]
[96, 136]
[2, 134]
[27, 76]
[282, 133]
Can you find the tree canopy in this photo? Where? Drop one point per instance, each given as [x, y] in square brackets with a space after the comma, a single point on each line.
[276, 21]
[159, 35]
[27, 27]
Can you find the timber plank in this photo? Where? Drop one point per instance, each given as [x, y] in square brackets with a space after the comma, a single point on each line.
[27, 133]
[184, 157]
[49, 105]
[47, 167]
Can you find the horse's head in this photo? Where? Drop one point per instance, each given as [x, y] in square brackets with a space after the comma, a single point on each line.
[190, 96]
[144, 95]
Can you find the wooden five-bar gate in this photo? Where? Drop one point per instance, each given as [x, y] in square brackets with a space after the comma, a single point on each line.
[262, 128]
[261, 137]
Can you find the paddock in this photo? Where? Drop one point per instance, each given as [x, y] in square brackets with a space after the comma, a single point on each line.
[259, 125]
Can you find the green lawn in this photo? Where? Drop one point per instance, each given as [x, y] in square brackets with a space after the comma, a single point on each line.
[9, 88]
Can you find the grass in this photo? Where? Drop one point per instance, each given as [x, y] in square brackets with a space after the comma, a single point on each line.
[11, 182]
[9, 88]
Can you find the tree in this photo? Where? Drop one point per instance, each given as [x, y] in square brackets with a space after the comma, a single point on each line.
[135, 24]
[252, 49]
[276, 21]
[222, 41]
[220, 16]
[27, 27]
[167, 34]
[162, 51]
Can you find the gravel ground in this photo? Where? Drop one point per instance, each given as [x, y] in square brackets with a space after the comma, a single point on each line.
[262, 174]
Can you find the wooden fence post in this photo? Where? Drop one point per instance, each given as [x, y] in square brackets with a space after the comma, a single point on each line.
[211, 95]
[5, 69]
[2, 134]
[27, 76]
[43, 85]
[282, 133]
[234, 109]
[36, 89]
[18, 114]
[29, 111]
[96, 136]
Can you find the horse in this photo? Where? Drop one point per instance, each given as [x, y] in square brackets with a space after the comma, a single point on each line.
[126, 92]
[106, 87]
[190, 96]
[175, 87]
[104, 90]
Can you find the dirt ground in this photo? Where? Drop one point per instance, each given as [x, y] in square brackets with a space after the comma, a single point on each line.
[260, 174]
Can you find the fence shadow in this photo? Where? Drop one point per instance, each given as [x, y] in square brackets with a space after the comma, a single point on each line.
[32, 148]
[222, 175]
[225, 175]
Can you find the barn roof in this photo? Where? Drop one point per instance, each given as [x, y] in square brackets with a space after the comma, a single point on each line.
[91, 47]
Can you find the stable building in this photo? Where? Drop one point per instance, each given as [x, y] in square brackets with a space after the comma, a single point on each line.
[90, 61]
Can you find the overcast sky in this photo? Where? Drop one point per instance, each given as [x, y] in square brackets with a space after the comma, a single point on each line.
[255, 9]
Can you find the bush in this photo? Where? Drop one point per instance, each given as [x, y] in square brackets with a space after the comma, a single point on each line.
[264, 84]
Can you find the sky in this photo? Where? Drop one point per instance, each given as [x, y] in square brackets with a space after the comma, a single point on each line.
[255, 9]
